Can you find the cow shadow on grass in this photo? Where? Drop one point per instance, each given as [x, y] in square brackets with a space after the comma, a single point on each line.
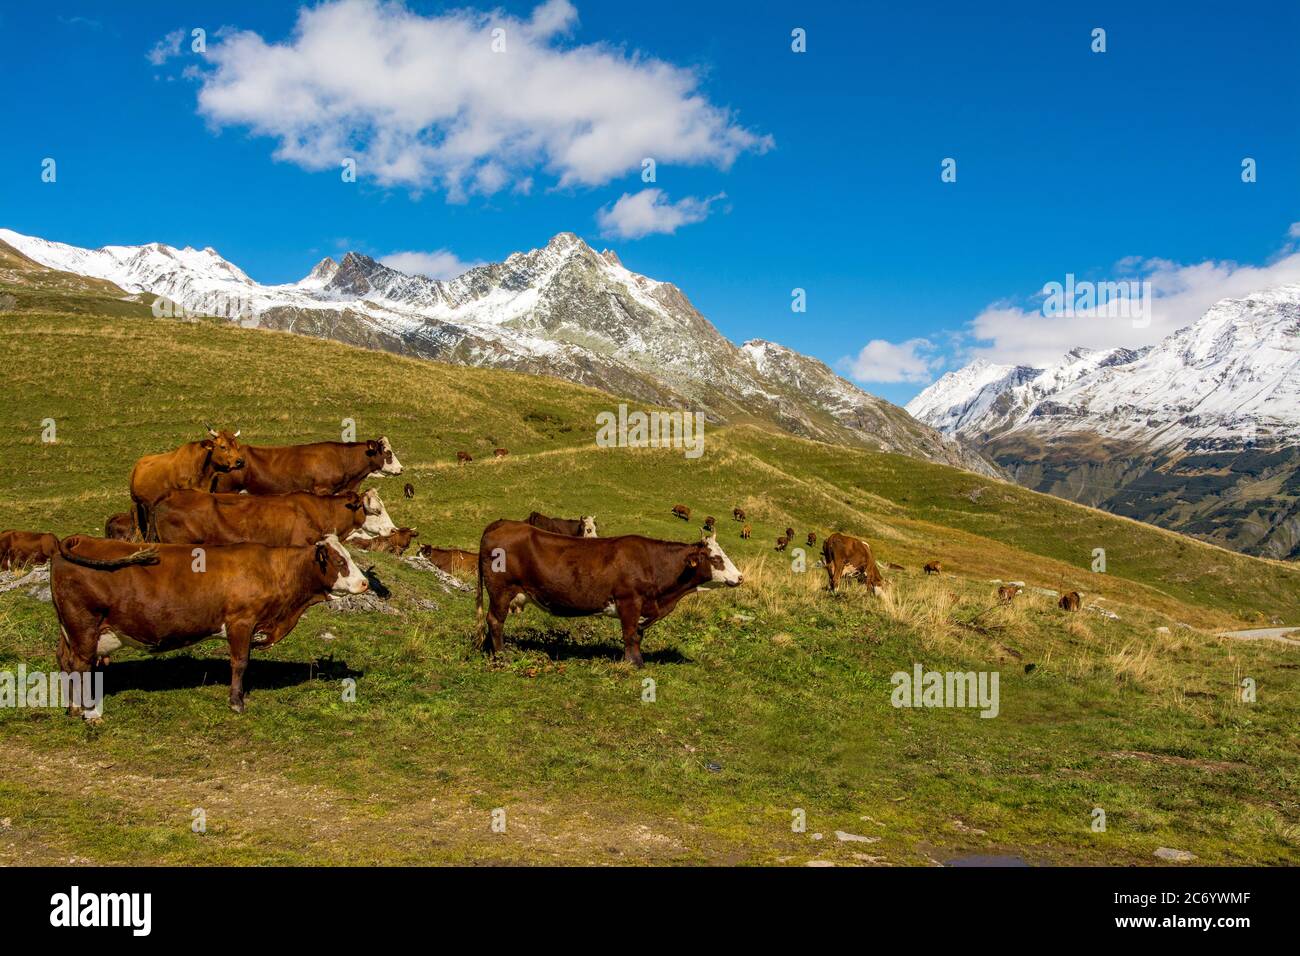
[186, 672]
[561, 645]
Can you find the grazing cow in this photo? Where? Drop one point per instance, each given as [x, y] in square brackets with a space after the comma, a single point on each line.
[737, 514]
[1070, 601]
[464, 456]
[812, 538]
[789, 535]
[107, 593]
[451, 560]
[22, 549]
[744, 532]
[1007, 593]
[292, 520]
[395, 543]
[709, 522]
[322, 468]
[196, 465]
[500, 452]
[934, 567]
[120, 527]
[847, 556]
[681, 511]
[637, 579]
[781, 542]
[584, 527]
[409, 490]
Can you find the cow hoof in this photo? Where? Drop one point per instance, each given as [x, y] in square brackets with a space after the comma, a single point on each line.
[237, 706]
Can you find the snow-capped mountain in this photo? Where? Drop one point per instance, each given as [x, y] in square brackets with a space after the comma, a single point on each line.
[563, 310]
[1199, 432]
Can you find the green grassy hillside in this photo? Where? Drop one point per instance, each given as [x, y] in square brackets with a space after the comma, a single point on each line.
[768, 699]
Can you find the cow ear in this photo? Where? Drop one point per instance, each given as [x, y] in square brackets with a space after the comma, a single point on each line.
[206, 443]
[372, 447]
[322, 557]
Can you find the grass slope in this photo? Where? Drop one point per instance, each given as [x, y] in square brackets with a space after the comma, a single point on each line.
[768, 699]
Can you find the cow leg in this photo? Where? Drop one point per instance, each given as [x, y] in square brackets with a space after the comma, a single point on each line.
[78, 641]
[240, 637]
[498, 611]
[629, 615]
[830, 574]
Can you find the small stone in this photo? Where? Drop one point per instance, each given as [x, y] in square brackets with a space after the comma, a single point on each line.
[1175, 856]
[1162, 630]
[844, 837]
[327, 636]
[820, 863]
[816, 836]
[713, 767]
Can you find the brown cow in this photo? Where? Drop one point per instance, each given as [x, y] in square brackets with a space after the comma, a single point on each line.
[120, 527]
[934, 567]
[395, 543]
[744, 532]
[812, 538]
[638, 579]
[847, 556]
[789, 535]
[409, 490]
[321, 468]
[737, 514]
[500, 452]
[451, 560]
[291, 520]
[464, 456]
[781, 542]
[1007, 593]
[196, 465]
[709, 522]
[584, 527]
[1070, 601]
[110, 592]
[681, 511]
[24, 549]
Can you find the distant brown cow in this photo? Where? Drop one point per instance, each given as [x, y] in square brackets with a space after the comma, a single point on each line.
[744, 532]
[120, 527]
[584, 527]
[847, 556]
[683, 512]
[1070, 601]
[500, 452]
[451, 560]
[812, 538]
[394, 543]
[409, 490]
[293, 520]
[464, 456]
[23, 549]
[709, 522]
[934, 567]
[637, 579]
[197, 465]
[106, 593]
[789, 535]
[737, 514]
[321, 468]
[1007, 593]
[781, 542]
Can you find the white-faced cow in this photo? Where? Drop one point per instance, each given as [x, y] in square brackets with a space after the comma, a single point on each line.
[584, 527]
[638, 580]
[291, 520]
[323, 468]
[107, 593]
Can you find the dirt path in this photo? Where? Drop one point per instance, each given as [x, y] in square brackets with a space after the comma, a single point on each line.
[1266, 634]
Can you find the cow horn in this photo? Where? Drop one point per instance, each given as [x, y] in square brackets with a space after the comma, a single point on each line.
[211, 431]
[238, 432]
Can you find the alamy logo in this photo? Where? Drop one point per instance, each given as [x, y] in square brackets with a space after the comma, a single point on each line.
[103, 909]
[1126, 299]
[651, 430]
[923, 688]
[59, 689]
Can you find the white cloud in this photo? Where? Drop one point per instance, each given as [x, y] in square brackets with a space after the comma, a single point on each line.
[1180, 294]
[424, 101]
[915, 360]
[649, 211]
[166, 48]
[439, 264]
[1294, 231]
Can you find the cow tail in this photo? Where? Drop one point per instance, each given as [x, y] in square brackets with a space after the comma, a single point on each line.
[145, 556]
[140, 520]
[480, 619]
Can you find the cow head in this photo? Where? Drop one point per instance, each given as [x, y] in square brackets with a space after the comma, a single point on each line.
[339, 572]
[377, 521]
[382, 460]
[722, 572]
[588, 526]
[224, 451]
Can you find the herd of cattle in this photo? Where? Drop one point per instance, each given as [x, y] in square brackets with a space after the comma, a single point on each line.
[237, 541]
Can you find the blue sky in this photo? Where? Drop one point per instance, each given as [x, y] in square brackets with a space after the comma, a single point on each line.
[818, 170]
